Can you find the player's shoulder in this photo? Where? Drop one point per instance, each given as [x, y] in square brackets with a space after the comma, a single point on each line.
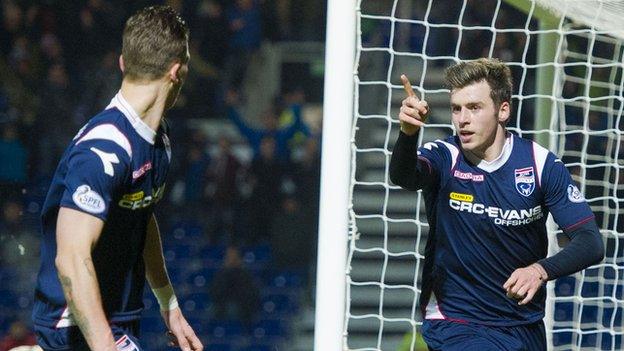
[543, 158]
[441, 150]
[449, 144]
[108, 129]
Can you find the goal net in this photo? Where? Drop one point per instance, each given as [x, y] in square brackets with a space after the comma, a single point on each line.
[566, 59]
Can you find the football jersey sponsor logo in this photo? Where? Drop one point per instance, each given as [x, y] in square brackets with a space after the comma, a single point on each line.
[498, 215]
[141, 171]
[461, 197]
[88, 200]
[138, 200]
[525, 180]
[574, 194]
[468, 176]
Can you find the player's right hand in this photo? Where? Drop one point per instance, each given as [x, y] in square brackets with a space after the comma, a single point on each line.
[180, 332]
[413, 112]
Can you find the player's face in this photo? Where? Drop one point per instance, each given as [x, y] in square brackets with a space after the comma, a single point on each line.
[475, 117]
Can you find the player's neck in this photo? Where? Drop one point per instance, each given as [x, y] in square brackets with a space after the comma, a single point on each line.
[491, 151]
[147, 99]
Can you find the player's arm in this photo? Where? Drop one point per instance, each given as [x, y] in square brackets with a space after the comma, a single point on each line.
[181, 333]
[584, 249]
[572, 213]
[76, 235]
[406, 168]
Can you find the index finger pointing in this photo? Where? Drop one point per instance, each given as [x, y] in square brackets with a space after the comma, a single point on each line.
[407, 86]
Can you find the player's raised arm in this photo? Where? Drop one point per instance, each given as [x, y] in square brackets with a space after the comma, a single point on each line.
[405, 168]
[76, 235]
[413, 112]
[180, 332]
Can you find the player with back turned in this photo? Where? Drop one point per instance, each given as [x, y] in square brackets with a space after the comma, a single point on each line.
[100, 237]
[488, 194]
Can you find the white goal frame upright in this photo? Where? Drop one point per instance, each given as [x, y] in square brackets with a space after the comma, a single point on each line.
[338, 134]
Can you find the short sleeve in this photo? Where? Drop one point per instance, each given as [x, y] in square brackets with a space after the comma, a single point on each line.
[95, 171]
[562, 197]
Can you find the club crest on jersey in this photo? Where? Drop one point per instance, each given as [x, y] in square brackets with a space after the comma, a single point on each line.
[88, 200]
[525, 180]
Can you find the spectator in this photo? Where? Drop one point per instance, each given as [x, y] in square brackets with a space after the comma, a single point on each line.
[196, 175]
[292, 240]
[225, 194]
[244, 22]
[235, 295]
[267, 174]
[17, 241]
[307, 175]
[18, 335]
[100, 90]
[13, 158]
[56, 116]
[254, 136]
[12, 25]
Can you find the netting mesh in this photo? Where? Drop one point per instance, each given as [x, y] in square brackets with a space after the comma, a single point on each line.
[582, 124]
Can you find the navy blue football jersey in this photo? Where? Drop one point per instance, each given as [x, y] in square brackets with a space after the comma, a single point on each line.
[114, 169]
[486, 220]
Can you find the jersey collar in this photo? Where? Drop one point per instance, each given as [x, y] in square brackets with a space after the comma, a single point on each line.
[491, 166]
[141, 128]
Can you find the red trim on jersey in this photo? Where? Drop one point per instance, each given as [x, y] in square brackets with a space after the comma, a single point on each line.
[536, 170]
[122, 339]
[579, 223]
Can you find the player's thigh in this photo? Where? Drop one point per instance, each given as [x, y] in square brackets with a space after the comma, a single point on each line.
[533, 336]
[70, 338]
[442, 335]
[50, 338]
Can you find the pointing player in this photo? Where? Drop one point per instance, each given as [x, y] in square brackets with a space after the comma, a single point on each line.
[100, 237]
[488, 194]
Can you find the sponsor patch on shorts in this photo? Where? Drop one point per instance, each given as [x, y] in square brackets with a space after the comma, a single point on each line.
[125, 344]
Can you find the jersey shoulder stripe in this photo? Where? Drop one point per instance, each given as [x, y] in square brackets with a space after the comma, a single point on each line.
[540, 154]
[110, 132]
[452, 149]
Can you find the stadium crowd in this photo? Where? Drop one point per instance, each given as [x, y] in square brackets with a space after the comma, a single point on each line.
[250, 221]
[59, 67]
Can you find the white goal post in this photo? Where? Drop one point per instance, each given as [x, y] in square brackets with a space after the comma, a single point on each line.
[567, 61]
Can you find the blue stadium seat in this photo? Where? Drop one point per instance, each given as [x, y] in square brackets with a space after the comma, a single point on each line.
[212, 255]
[197, 302]
[259, 348]
[223, 329]
[259, 255]
[564, 311]
[270, 328]
[276, 303]
[217, 347]
[286, 279]
[152, 325]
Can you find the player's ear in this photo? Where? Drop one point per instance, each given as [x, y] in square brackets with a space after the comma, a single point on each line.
[174, 72]
[122, 66]
[504, 111]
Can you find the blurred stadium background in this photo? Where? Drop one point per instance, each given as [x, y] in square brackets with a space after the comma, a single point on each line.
[239, 218]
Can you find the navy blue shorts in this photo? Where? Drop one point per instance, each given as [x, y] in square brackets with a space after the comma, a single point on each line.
[444, 335]
[70, 338]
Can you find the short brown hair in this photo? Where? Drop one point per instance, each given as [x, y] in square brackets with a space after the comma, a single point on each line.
[495, 72]
[153, 39]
